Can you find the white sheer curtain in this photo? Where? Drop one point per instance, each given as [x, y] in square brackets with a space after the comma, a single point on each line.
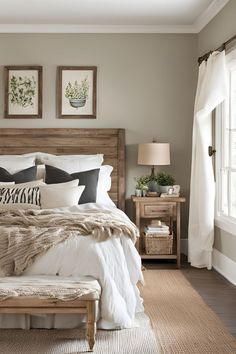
[212, 89]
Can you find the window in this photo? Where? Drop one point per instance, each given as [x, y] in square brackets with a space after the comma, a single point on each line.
[226, 152]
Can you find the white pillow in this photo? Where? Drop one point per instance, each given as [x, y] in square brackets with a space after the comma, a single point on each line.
[36, 183]
[58, 197]
[40, 172]
[38, 155]
[3, 184]
[104, 185]
[73, 183]
[74, 163]
[13, 157]
[15, 163]
[98, 157]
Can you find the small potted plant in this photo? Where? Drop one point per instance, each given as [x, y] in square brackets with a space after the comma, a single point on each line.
[141, 185]
[165, 181]
[77, 93]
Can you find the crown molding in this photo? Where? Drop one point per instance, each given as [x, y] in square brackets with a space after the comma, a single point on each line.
[46, 28]
[211, 11]
[196, 27]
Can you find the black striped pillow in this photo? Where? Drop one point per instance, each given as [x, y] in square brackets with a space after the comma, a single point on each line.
[25, 195]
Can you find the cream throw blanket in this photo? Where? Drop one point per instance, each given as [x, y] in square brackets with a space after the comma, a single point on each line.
[27, 234]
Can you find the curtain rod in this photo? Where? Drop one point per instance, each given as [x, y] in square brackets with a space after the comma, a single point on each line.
[219, 49]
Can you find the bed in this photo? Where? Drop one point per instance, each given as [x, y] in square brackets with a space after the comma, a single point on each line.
[115, 261]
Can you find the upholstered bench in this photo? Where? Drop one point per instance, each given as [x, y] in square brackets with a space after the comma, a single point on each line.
[52, 294]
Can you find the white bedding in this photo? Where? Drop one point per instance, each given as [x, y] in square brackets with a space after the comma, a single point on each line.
[114, 262]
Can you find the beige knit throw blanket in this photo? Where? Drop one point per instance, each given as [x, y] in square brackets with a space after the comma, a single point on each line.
[27, 234]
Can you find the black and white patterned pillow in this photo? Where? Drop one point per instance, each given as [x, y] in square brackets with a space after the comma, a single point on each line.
[23, 195]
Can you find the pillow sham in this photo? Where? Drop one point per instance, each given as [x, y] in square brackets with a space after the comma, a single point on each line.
[4, 184]
[72, 183]
[57, 197]
[74, 163]
[27, 175]
[36, 183]
[104, 185]
[19, 195]
[87, 178]
[14, 163]
[40, 156]
[40, 172]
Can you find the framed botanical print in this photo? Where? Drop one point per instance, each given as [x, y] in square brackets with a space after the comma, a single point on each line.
[77, 91]
[23, 91]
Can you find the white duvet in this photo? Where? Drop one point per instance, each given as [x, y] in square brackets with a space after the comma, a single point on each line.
[115, 263]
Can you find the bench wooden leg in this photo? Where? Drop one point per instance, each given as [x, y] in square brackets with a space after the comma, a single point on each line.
[91, 323]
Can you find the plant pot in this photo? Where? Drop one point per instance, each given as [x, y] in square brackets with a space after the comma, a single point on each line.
[76, 103]
[144, 192]
[153, 186]
[138, 192]
[164, 189]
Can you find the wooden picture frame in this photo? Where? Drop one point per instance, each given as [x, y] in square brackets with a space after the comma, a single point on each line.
[23, 91]
[77, 92]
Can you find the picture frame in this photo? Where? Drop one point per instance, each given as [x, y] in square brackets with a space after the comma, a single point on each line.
[77, 92]
[23, 91]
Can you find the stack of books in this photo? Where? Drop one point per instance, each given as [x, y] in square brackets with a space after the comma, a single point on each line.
[166, 195]
[156, 228]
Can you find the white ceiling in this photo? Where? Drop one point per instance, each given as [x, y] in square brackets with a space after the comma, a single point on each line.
[107, 15]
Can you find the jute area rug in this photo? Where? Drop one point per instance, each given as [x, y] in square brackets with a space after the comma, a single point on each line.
[182, 321]
[138, 340]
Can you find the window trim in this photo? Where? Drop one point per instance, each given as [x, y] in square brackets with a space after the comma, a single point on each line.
[224, 222]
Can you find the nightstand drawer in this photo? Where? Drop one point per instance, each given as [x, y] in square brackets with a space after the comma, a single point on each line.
[154, 210]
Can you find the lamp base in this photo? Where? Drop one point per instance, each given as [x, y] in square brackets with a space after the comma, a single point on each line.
[152, 172]
[152, 186]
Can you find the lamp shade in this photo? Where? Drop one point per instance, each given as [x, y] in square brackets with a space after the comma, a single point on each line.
[154, 154]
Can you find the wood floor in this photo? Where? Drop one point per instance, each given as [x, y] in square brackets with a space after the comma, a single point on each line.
[216, 291]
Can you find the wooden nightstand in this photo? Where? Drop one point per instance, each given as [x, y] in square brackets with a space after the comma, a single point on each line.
[147, 208]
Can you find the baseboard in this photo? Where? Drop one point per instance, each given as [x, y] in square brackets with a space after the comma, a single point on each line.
[224, 265]
[221, 263]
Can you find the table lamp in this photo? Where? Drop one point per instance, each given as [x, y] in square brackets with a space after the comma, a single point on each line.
[154, 154]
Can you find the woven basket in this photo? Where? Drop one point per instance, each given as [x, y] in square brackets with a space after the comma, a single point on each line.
[158, 244]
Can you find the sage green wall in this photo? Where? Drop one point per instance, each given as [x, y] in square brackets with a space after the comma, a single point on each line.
[221, 28]
[146, 84]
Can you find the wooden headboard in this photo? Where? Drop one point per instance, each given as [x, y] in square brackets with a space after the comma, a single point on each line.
[110, 142]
